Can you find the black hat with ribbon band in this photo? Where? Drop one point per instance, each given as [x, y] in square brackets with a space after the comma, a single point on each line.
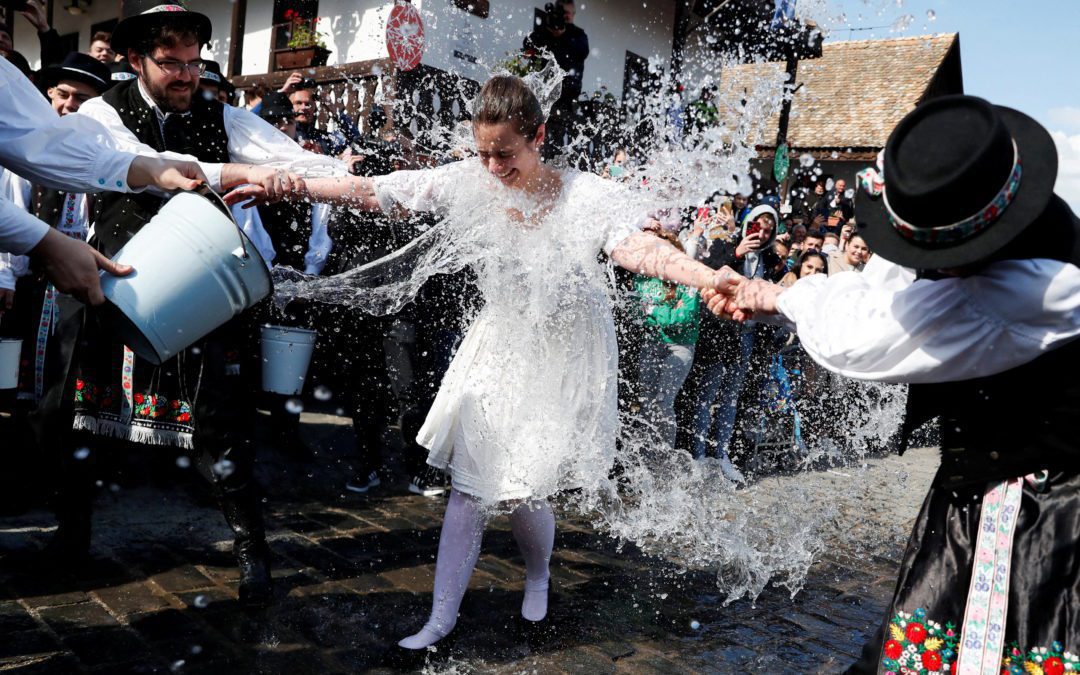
[213, 76]
[122, 71]
[139, 17]
[276, 108]
[960, 179]
[77, 67]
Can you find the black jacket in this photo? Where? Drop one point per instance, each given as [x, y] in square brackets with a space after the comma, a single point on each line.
[570, 51]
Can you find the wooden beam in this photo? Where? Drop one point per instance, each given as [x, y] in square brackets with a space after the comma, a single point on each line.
[321, 74]
[236, 39]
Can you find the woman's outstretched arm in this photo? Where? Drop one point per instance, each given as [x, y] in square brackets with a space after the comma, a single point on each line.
[357, 192]
[647, 254]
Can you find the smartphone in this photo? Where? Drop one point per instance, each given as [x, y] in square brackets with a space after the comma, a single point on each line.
[754, 228]
[14, 5]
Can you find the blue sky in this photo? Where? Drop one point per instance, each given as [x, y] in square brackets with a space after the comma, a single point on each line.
[1021, 53]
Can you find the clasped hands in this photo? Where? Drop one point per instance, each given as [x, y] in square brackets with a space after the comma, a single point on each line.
[265, 185]
[735, 297]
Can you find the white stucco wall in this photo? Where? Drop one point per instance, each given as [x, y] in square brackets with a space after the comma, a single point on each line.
[355, 31]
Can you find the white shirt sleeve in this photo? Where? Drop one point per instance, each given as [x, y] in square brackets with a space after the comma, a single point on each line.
[421, 189]
[19, 231]
[252, 140]
[883, 325]
[319, 243]
[68, 153]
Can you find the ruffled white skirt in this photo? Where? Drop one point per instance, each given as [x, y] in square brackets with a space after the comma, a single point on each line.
[526, 411]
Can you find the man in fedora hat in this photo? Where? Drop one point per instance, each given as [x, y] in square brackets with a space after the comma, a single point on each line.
[214, 85]
[972, 297]
[199, 401]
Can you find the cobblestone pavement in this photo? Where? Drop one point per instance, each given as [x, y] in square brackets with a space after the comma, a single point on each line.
[354, 574]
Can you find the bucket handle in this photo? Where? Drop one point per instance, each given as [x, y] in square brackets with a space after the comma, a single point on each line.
[214, 198]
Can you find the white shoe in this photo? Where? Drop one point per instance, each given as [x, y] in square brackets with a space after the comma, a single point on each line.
[729, 470]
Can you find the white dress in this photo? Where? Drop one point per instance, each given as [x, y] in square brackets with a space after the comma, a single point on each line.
[528, 405]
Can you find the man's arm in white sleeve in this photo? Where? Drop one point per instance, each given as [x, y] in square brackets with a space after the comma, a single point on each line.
[64, 153]
[252, 140]
[19, 231]
[877, 326]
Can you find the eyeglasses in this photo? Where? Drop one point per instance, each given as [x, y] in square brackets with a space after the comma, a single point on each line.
[174, 68]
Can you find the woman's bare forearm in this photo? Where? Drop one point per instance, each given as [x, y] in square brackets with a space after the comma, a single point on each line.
[356, 192]
[650, 255]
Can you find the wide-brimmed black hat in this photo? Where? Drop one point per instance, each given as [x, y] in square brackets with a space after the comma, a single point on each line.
[213, 75]
[961, 179]
[276, 107]
[139, 16]
[78, 67]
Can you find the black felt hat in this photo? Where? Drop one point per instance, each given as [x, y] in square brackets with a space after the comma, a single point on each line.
[213, 75]
[962, 178]
[79, 67]
[138, 17]
[276, 107]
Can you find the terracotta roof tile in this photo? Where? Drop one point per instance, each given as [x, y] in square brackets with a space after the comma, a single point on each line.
[853, 96]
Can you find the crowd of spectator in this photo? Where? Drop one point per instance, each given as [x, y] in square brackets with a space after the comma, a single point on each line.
[714, 388]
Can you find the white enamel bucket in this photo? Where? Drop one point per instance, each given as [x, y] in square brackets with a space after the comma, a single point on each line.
[194, 271]
[10, 353]
[286, 355]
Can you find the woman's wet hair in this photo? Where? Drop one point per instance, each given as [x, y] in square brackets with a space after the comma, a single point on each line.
[505, 98]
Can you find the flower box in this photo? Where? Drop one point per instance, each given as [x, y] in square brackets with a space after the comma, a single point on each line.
[300, 57]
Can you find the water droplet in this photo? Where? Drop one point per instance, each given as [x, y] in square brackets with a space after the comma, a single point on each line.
[323, 393]
[177, 665]
[82, 453]
[806, 160]
[200, 601]
[196, 650]
[224, 468]
[931, 15]
[294, 406]
[695, 625]
[902, 23]
[849, 193]
[183, 461]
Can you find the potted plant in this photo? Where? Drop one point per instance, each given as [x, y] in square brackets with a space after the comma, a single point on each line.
[306, 47]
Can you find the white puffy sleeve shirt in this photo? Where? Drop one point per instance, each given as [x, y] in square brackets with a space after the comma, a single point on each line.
[69, 153]
[251, 141]
[884, 325]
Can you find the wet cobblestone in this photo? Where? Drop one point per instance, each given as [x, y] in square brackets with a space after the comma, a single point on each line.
[354, 575]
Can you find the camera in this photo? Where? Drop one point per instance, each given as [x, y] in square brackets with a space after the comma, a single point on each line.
[554, 19]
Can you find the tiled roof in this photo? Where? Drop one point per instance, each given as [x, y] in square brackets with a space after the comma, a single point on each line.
[853, 96]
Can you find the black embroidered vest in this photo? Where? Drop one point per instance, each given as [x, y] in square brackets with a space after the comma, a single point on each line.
[47, 204]
[1020, 421]
[289, 227]
[117, 217]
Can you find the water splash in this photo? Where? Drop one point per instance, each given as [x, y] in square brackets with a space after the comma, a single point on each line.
[544, 340]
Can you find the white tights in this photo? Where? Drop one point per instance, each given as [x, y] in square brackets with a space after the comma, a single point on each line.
[533, 525]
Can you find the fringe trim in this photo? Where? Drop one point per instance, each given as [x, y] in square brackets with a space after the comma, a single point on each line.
[133, 432]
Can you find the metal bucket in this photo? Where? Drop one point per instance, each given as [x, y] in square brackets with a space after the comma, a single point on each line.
[286, 355]
[10, 353]
[194, 271]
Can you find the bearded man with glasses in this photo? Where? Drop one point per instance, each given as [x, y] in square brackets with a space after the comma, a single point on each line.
[200, 401]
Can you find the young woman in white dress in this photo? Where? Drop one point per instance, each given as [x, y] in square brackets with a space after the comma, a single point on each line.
[528, 406]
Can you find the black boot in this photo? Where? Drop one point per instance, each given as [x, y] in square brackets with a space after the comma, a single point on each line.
[244, 515]
[70, 546]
